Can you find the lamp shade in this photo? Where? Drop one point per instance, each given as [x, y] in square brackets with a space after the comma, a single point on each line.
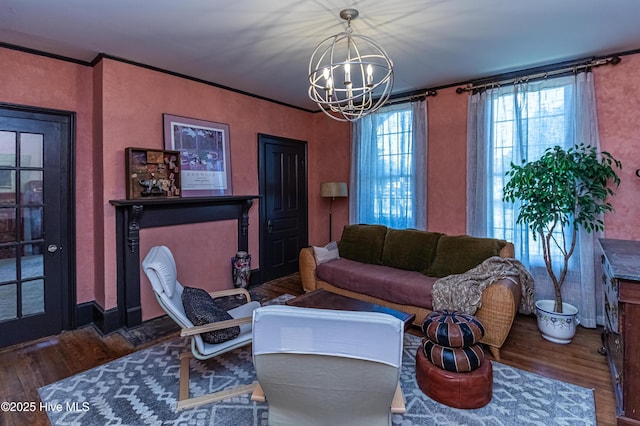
[333, 189]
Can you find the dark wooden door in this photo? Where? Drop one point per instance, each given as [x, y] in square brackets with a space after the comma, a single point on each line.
[284, 225]
[36, 237]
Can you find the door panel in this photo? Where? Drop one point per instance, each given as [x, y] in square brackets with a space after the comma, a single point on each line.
[283, 207]
[34, 278]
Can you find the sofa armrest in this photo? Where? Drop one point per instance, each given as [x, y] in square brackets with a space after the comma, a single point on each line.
[500, 303]
[307, 265]
[508, 251]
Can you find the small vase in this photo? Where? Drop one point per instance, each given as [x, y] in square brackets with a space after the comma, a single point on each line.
[556, 327]
[241, 269]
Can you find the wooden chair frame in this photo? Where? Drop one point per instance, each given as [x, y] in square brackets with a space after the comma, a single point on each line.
[184, 401]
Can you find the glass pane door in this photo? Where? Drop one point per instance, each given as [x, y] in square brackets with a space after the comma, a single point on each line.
[22, 279]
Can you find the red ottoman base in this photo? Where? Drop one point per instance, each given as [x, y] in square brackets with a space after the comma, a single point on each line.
[459, 390]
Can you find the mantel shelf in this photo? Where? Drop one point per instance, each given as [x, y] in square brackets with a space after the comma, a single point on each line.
[160, 201]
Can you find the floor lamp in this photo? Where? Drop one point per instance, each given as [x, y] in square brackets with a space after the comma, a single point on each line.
[332, 190]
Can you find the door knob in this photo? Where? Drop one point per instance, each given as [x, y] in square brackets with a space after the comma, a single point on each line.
[269, 225]
[52, 248]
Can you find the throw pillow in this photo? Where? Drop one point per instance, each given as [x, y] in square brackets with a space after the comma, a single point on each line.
[201, 309]
[326, 253]
[457, 254]
[362, 243]
[409, 249]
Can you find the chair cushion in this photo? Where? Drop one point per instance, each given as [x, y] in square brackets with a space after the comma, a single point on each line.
[201, 309]
[457, 254]
[160, 267]
[410, 249]
[362, 243]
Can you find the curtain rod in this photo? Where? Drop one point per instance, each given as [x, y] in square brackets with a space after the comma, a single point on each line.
[612, 60]
[410, 98]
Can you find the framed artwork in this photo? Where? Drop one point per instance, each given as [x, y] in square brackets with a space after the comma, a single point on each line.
[152, 173]
[205, 160]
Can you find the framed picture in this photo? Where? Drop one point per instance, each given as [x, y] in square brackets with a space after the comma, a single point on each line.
[205, 160]
[152, 173]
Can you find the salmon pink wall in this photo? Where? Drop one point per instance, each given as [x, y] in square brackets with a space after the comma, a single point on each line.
[618, 98]
[119, 105]
[200, 263]
[133, 101]
[330, 156]
[447, 159]
[618, 105]
[49, 83]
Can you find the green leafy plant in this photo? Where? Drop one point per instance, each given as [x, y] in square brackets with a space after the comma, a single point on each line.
[562, 191]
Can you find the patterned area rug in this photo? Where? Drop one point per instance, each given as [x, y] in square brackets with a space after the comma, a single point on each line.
[141, 389]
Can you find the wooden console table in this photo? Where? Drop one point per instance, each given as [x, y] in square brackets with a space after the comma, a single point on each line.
[621, 337]
[134, 215]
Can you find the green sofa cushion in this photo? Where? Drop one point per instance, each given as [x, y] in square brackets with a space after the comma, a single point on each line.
[457, 254]
[362, 243]
[409, 249]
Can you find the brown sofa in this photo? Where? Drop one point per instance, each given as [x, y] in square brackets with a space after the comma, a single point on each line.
[397, 268]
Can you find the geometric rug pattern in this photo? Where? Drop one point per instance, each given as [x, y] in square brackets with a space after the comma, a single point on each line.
[142, 388]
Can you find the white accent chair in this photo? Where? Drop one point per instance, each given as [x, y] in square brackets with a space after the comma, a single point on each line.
[327, 367]
[160, 267]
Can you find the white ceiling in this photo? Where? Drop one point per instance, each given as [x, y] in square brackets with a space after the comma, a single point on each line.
[263, 46]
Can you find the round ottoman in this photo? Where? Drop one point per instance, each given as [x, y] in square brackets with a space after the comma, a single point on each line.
[452, 329]
[459, 390]
[459, 360]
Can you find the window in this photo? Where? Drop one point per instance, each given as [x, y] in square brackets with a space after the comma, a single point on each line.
[388, 169]
[517, 123]
[523, 125]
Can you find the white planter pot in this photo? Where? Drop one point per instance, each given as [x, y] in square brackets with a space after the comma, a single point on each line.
[556, 327]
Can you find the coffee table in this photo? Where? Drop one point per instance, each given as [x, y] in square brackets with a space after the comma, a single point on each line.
[323, 299]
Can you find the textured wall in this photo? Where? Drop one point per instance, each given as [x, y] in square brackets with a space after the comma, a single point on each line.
[133, 101]
[120, 105]
[447, 157]
[48, 83]
[618, 98]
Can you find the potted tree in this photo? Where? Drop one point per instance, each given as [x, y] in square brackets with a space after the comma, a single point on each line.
[559, 193]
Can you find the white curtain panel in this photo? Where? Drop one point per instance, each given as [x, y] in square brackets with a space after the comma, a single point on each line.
[515, 123]
[388, 167]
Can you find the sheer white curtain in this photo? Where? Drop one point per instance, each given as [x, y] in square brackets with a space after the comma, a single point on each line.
[388, 167]
[515, 123]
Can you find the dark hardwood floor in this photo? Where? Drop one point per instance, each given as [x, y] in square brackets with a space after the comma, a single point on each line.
[25, 368]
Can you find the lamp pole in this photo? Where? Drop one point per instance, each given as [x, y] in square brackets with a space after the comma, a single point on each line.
[331, 190]
[330, 213]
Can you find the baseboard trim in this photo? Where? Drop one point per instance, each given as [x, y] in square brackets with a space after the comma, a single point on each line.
[106, 322]
[254, 278]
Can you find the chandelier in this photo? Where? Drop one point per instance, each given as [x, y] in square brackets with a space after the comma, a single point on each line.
[350, 75]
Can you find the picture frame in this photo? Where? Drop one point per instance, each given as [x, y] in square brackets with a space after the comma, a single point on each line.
[205, 157]
[152, 173]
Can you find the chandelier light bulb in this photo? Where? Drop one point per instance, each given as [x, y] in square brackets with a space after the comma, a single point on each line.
[347, 74]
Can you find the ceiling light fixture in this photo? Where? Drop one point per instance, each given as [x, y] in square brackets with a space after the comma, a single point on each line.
[350, 75]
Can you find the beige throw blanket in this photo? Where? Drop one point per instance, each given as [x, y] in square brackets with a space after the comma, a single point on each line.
[463, 292]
